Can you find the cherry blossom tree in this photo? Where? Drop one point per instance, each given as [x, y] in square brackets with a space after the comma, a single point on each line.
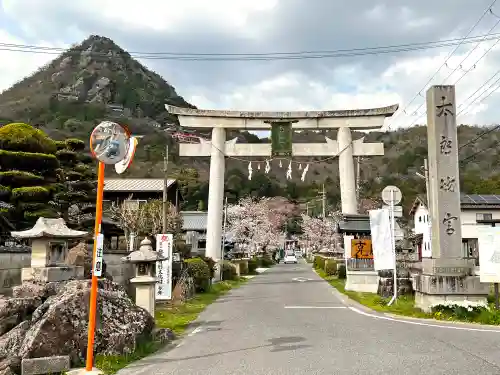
[144, 219]
[259, 223]
[321, 233]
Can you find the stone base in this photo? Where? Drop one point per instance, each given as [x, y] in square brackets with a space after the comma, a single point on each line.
[435, 289]
[362, 281]
[51, 274]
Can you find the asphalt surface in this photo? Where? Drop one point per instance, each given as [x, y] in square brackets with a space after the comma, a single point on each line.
[264, 327]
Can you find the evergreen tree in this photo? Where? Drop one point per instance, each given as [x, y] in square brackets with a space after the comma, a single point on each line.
[75, 201]
[29, 173]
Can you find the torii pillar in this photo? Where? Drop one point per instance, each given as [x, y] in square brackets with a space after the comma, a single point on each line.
[217, 148]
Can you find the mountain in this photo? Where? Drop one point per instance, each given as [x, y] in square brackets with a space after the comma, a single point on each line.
[97, 80]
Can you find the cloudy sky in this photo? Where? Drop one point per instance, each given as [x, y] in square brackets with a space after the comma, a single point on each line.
[277, 26]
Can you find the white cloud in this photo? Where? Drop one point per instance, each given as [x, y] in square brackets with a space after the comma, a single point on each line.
[16, 65]
[309, 84]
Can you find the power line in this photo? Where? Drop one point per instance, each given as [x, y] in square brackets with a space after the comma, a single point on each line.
[419, 93]
[481, 135]
[301, 55]
[466, 109]
[459, 66]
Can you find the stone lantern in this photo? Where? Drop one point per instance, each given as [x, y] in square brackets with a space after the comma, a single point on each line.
[145, 279]
[49, 248]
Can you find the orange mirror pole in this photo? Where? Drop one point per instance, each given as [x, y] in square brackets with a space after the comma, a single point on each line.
[93, 291]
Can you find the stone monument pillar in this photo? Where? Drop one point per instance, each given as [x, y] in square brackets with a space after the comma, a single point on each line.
[447, 276]
[216, 196]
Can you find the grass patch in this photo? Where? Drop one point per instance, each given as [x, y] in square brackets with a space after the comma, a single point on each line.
[404, 305]
[177, 318]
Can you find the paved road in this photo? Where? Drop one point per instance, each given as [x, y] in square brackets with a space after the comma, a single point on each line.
[275, 325]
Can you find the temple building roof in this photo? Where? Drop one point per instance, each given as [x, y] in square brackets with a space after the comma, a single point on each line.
[49, 228]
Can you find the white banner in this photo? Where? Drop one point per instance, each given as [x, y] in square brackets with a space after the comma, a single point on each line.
[383, 253]
[164, 246]
[489, 254]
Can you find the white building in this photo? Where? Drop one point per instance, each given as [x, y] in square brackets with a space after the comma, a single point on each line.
[476, 211]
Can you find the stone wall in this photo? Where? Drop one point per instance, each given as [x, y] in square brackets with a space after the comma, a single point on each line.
[13, 259]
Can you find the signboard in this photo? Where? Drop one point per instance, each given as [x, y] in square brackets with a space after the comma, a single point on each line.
[380, 227]
[99, 254]
[164, 246]
[489, 254]
[361, 249]
[281, 139]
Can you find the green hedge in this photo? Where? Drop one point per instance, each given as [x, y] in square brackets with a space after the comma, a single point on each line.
[229, 271]
[265, 261]
[200, 272]
[24, 137]
[30, 194]
[319, 262]
[67, 156]
[252, 266]
[342, 273]
[331, 267]
[75, 144]
[16, 179]
[28, 161]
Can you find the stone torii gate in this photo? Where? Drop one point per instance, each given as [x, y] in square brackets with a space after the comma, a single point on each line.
[218, 147]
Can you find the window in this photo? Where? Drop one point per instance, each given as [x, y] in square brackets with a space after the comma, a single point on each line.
[470, 249]
[420, 218]
[484, 216]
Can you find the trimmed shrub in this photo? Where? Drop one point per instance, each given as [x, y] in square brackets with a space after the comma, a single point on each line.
[16, 179]
[265, 261]
[30, 194]
[211, 265]
[19, 136]
[4, 193]
[330, 267]
[46, 213]
[341, 272]
[67, 156]
[60, 145]
[75, 144]
[200, 272]
[252, 266]
[28, 161]
[243, 269]
[229, 271]
[319, 262]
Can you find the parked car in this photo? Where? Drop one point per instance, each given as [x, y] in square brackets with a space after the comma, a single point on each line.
[290, 258]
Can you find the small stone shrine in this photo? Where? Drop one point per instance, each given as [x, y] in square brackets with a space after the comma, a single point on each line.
[447, 275]
[145, 279]
[49, 248]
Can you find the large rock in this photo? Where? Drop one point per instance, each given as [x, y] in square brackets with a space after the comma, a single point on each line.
[55, 321]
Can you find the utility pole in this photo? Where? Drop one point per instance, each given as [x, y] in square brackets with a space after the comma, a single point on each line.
[224, 228]
[323, 201]
[165, 190]
[358, 177]
[426, 174]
